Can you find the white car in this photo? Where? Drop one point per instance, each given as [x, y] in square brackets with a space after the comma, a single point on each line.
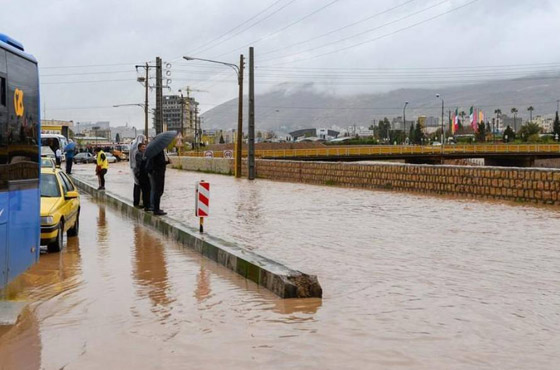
[110, 158]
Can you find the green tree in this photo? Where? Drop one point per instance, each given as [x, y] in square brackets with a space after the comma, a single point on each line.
[531, 109]
[556, 127]
[509, 135]
[528, 131]
[514, 112]
[118, 138]
[481, 133]
[418, 133]
[383, 129]
[222, 141]
[411, 133]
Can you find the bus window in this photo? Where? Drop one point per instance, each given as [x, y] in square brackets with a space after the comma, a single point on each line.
[23, 121]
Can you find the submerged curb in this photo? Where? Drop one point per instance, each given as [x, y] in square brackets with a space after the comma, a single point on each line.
[279, 279]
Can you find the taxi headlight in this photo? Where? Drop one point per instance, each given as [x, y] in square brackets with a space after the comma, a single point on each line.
[48, 220]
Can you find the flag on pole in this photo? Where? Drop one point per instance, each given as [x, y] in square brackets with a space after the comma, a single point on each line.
[475, 120]
[456, 121]
[480, 116]
[471, 116]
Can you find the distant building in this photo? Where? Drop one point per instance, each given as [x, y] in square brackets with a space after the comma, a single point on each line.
[98, 132]
[80, 127]
[320, 133]
[397, 124]
[52, 126]
[515, 124]
[546, 124]
[172, 107]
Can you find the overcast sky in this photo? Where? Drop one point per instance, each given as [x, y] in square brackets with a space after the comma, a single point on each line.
[87, 49]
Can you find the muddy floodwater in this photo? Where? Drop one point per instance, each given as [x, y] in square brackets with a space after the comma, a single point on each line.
[409, 282]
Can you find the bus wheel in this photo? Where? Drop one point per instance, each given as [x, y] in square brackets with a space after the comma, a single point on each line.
[56, 246]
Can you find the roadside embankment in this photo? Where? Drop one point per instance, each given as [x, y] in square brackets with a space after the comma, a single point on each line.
[281, 280]
[536, 185]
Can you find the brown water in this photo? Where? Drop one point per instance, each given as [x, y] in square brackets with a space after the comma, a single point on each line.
[409, 282]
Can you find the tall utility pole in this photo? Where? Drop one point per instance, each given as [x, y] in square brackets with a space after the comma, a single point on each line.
[197, 130]
[239, 150]
[251, 153]
[182, 113]
[159, 96]
[146, 102]
[145, 80]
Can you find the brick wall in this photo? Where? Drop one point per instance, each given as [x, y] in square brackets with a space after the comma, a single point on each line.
[516, 184]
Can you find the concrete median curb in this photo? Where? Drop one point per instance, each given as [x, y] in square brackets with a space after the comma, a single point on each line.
[279, 279]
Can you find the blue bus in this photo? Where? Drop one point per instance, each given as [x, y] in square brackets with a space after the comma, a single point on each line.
[19, 160]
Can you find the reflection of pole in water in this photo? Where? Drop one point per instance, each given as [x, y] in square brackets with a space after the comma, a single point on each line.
[203, 289]
[102, 230]
[150, 272]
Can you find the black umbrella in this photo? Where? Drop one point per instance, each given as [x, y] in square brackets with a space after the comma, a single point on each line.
[158, 143]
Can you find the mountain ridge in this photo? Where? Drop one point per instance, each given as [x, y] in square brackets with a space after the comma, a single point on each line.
[288, 108]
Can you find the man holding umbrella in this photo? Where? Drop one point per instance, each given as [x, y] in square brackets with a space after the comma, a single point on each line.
[156, 163]
[69, 149]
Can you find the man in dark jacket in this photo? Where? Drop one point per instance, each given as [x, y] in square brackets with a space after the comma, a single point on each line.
[156, 170]
[141, 174]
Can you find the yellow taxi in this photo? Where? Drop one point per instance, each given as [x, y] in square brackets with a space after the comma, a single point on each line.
[60, 208]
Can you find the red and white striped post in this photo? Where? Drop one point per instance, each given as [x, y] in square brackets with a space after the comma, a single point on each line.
[202, 201]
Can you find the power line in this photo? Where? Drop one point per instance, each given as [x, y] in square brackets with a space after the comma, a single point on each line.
[247, 28]
[363, 32]
[90, 66]
[338, 29]
[388, 34]
[281, 29]
[415, 68]
[234, 28]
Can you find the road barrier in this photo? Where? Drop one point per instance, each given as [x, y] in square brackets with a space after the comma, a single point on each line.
[279, 279]
[398, 151]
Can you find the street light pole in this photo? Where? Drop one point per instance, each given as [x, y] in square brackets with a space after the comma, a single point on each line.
[442, 112]
[239, 71]
[404, 117]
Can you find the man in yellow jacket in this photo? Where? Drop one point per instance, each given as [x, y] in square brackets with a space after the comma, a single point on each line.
[101, 168]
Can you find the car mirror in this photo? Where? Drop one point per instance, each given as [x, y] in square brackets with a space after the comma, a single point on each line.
[71, 195]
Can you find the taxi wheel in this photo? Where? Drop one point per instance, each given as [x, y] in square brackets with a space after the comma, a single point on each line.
[74, 230]
[56, 246]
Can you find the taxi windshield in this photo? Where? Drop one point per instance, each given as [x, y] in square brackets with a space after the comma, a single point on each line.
[49, 185]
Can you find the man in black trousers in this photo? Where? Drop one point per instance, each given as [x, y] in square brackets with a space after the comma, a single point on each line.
[156, 170]
[141, 174]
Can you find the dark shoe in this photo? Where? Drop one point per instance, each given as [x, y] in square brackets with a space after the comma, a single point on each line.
[159, 213]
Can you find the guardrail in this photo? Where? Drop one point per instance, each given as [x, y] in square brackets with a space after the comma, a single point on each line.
[397, 150]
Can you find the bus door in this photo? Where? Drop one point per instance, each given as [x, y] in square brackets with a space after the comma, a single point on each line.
[4, 212]
[4, 195]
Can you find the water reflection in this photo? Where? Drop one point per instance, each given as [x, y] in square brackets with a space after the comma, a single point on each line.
[20, 345]
[203, 289]
[56, 273]
[102, 230]
[150, 269]
[290, 306]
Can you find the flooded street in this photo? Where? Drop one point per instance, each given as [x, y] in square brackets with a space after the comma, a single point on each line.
[408, 282]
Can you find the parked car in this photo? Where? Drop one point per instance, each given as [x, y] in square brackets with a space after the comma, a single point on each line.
[119, 155]
[60, 208]
[111, 158]
[84, 157]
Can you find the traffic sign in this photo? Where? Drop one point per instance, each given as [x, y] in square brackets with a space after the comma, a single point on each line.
[209, 154]
[228, 154]
[202, 199]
